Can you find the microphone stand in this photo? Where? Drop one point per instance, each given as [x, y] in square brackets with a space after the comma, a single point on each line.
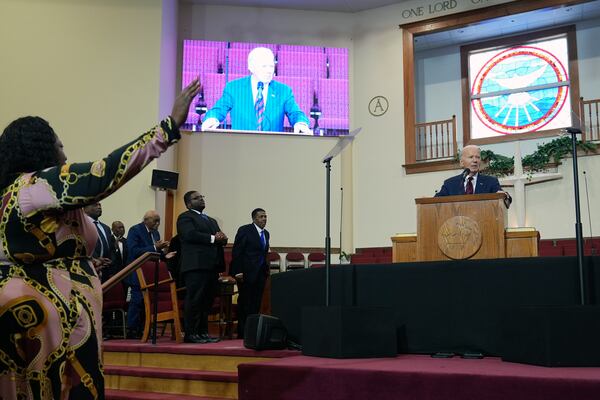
[578, 228]
[327, 233]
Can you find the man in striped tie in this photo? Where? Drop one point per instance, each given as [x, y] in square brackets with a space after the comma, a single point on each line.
[249, 257]
[470, 181]
[257, 102]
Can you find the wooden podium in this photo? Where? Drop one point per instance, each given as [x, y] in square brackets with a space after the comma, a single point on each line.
[463, 227]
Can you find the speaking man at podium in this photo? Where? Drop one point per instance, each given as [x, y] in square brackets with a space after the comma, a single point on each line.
[257, 102]
[470, 181]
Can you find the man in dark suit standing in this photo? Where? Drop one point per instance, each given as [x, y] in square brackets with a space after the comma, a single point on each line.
[120, 254]
[201, 260]
[141, 238]
[249, 257]
[105, 246]
[470, 181]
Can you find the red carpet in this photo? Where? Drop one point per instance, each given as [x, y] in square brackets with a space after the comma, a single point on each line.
[412, 377]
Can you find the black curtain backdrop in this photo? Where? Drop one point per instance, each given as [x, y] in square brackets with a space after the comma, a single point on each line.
[445, 306]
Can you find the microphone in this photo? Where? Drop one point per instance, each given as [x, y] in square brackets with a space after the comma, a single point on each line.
[466, 173]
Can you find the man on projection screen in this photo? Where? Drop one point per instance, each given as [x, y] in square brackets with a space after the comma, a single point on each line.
[256, 102]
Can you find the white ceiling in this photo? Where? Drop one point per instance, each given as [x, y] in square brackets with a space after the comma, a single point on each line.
[349, 6]
[509, 25]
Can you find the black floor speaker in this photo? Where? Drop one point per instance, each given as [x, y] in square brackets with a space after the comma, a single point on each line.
[552, 336]
[348, 332]
[263, 332]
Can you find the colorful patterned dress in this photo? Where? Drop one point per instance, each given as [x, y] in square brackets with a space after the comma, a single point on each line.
[50, 294]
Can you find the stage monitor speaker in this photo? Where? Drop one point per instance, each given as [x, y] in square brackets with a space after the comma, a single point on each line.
[348, 332]
[164, 179]
[263, 332]
[552, 336]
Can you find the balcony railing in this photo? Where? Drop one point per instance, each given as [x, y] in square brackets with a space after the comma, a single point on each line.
[436, 140]
[590, 120]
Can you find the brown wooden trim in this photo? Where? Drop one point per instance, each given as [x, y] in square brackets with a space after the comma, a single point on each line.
[573, 70]
[466, 94]
[431, 166]
[410, 150]
[521, 234]
[431, 123]
[132, 266]
[405, 238]
[478, 15]
[460, 198]
[169, 210]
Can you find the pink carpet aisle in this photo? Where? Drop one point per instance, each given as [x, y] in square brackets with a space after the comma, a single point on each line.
[412, 377]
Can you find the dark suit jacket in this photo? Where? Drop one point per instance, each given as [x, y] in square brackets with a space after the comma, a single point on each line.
[197, 252]
[248, 255]
[120, 257]
[455, 186]
[238, 101]
[109, 238]
[139, 241]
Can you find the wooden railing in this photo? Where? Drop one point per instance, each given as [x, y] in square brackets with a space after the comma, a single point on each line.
[590, 119]
[132, 267]
[436, 140]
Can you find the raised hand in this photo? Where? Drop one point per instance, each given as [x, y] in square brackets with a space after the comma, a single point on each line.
[182, 102]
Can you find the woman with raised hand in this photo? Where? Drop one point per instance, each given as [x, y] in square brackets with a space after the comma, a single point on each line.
[50, 294]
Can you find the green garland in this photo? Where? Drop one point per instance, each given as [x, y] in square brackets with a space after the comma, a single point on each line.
[554, 150]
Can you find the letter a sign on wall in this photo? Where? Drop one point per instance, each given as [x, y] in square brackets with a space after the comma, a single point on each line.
[378, 106]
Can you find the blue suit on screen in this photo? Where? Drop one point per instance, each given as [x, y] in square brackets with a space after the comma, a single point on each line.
[238, 101]
[455, 186]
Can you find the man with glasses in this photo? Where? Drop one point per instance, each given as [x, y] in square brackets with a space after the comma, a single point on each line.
[201, 260]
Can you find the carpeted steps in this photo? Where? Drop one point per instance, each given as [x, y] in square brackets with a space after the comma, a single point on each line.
[112, 394]
[165, 371]
[174, 381]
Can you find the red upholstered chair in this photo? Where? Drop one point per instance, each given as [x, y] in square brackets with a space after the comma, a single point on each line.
[168, 305]
[114, 304]
[551, 251]
[274, 260]
[316, 260]
[294, 260]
